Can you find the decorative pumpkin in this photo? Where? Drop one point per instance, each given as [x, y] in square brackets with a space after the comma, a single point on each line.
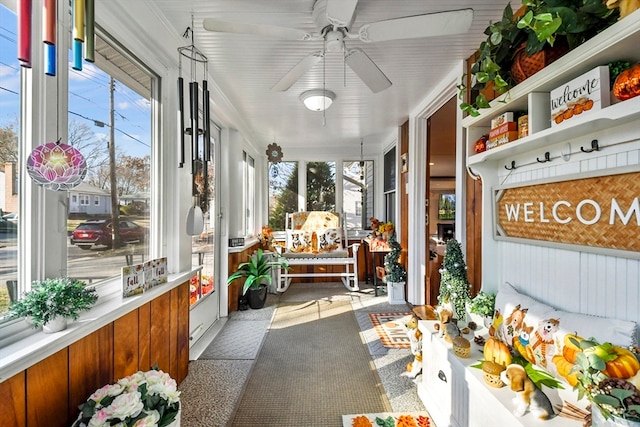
[481, 144]
[570, 350]
[627, 84]
[497, 351]
[624, 366]
[564, 369]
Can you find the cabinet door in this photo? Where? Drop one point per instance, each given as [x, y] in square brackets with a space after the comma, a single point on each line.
[437, 380]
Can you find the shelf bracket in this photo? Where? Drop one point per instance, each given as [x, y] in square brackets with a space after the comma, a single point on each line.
[594, 147]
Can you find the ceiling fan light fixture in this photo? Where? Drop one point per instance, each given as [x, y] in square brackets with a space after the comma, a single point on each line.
[317, 99]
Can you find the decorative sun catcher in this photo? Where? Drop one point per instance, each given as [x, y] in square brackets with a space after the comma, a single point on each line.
[56, 166]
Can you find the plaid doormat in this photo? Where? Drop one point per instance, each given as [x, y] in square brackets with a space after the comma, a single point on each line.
[389, 328]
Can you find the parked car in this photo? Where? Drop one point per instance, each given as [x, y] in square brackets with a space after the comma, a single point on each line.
[97, 232]
[7, 226]
[13, 217]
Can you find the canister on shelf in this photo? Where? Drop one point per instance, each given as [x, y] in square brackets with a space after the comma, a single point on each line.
[523, 126]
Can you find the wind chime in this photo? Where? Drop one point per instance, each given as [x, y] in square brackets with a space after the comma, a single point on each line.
[83, 17]
[55, 165]
[196, 61]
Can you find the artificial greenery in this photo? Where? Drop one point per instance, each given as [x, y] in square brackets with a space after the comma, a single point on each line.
[50, 298]
[454, 285]
[257, 269]
[483, 304]
[396, 272]
[538, 24]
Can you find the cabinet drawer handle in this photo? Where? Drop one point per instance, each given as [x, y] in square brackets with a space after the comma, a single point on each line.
[442, 376]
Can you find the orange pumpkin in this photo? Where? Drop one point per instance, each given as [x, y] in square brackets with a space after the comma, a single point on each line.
[627, 84]
[570, 350]
[497, 351]
[624, 366]
[564, 369]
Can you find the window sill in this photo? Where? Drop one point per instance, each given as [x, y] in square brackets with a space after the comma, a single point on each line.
[31, 349]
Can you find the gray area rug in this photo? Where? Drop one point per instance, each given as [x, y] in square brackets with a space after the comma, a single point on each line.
[312, 369]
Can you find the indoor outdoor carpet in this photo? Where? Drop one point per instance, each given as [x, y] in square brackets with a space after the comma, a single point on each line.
[390, 330]
[313, 368]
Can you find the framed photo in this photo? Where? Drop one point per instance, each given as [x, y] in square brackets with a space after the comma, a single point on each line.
[447, 206]
[404, 162]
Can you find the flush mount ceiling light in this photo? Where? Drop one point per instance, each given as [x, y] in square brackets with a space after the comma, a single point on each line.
[317, 99]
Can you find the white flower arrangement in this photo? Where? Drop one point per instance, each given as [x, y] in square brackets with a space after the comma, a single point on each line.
[144, 399]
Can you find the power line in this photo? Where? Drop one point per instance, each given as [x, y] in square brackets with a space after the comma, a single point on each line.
[9, 90]
[100, 123]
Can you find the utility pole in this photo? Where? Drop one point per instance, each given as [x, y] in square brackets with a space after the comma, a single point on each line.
[115, 208]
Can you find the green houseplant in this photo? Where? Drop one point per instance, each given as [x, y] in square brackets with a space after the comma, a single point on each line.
[537, 25]
[54, 300]
[255, 272]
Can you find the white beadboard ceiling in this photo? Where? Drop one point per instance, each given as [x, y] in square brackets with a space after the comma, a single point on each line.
[245, 67]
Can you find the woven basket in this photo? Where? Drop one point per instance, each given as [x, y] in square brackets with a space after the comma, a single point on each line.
[524, 66]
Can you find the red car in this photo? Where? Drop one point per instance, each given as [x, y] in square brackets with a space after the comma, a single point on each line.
[98, 232]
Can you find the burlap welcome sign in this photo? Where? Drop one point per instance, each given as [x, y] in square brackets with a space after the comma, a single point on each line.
[596, 213]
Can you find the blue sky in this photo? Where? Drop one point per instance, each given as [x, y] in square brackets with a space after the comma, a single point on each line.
[88, 98]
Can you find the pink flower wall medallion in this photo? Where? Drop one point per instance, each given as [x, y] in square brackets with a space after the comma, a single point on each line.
[56, 166]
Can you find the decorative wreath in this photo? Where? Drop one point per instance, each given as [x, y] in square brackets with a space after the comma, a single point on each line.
[274, 153]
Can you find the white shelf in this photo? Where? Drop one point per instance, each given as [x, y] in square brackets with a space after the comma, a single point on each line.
[618, 42]
[578, 126]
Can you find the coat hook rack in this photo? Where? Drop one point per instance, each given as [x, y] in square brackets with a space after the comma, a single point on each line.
[547, 158]
[594, 147]
[513, 166]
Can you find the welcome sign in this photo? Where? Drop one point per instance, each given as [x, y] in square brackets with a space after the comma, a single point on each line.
[599, 212]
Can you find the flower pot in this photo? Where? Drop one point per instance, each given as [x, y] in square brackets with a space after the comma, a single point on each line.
[598, 420]
[57, 324]
[524, 66]
[257, 297]
[395, 292]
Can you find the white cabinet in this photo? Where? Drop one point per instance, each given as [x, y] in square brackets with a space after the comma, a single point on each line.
[456, 395]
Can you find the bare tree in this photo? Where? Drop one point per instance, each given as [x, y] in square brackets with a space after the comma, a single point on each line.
[9, 143]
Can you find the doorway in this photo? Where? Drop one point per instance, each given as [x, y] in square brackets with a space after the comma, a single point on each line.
[440, 193]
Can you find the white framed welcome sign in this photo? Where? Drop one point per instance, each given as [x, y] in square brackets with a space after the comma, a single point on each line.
[590, 213]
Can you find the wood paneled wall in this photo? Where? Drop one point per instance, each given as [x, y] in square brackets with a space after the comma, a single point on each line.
[49, 392]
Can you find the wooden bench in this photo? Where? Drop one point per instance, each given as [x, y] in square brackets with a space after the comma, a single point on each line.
[318, 238]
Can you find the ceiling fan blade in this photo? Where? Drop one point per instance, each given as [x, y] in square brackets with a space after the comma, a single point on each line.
[367, 70]
[413, 27]
[340, 12]
[298, 71]
[216, 25]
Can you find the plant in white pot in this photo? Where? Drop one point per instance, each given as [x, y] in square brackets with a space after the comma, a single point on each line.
[483, 304]
[396, 274]
[256, 271]
[52, 302]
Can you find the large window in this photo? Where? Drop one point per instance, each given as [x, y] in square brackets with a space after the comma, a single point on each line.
[110, 122]
[390, 185]
[321, 186]
[249, 186]
[283, 192]
[357, 193]
[9, 158]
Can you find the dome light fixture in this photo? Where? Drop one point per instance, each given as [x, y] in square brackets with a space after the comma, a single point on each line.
[317, 99]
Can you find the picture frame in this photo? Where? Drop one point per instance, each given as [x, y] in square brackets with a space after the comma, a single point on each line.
[447, 206]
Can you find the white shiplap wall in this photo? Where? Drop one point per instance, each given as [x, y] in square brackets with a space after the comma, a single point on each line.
[570, 280]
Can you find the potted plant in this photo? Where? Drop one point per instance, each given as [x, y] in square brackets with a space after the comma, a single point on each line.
[396, 274]
[255, 272]
[614, 401]
[52, 302]
[143, 399]
[538, 26]
[483, 304]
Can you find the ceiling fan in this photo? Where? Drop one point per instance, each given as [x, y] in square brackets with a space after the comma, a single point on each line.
[334, 19]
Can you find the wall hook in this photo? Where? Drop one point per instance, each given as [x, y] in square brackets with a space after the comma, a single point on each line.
[594, 147]
[513, 166]
[547, 158]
